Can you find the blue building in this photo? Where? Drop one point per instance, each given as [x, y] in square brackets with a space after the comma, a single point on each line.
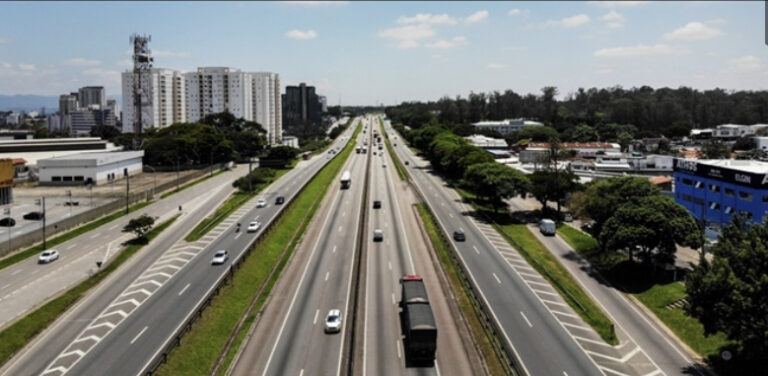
[715, 190]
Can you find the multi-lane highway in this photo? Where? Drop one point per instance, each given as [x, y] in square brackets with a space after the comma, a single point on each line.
[120, 326]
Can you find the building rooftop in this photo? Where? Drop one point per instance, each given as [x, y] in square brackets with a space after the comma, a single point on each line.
[577, 145]
[755, 167]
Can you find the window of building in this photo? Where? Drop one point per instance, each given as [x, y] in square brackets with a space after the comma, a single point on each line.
[729, 192]
[745, 214]
[765, 198]
[728, 210]
[698, 184]
[79, 178]
[55, 178]
[67, 178]
[687, 181]
[714, 188]
[746, 196]
[714, 205]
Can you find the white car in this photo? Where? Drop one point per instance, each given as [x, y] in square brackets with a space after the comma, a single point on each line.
[220, 257]
[333, 321]
[47, 256]
[261, 203]
[253, 226]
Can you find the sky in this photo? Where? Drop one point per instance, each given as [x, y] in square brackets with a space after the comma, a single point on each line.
[369, 52]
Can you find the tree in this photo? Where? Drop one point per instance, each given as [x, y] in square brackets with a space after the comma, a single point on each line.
[606, 196]
[140, 226]
[715, 150]
[495, 182]
[259, 175]
[283, 152]
[625, 139]
[744, 143]
[105, 132]
[584, 133]
[551, 185]
[652, 224]
[730, 294]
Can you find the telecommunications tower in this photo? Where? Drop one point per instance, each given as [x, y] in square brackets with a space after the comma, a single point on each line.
[142, 65]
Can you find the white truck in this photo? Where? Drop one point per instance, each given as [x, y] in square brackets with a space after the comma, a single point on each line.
[346, 180]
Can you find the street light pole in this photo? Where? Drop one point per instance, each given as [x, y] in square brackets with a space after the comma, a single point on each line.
[7, 212]
[127, 189]
[41, 202]
[154, 180]
[177, 174]
[69, 193]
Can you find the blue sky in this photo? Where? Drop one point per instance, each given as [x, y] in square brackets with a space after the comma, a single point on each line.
[371, 52]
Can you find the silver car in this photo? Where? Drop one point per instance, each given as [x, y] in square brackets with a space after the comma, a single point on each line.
[333, 321]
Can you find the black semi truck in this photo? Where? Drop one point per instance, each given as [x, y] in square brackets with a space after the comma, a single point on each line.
[420, 330]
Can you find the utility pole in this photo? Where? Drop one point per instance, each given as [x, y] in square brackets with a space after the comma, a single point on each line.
[142, 65]
[127, 189]
[7, 212]
[41, 202]
[177, 174]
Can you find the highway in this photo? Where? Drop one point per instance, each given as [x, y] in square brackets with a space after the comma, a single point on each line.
[121, 325]
[27, 284]
[527, 324]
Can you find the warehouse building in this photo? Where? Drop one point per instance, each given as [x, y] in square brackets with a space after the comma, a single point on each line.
[89, 168]
[716, 190]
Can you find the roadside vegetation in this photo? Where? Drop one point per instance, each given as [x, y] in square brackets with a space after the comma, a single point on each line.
[401, 172]
[206, 341]
[487, 342]
[69, 235]
[14, 337]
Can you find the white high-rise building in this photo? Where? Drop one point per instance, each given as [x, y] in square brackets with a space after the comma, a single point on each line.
[212, 90]
[166, 101]
[267, 104]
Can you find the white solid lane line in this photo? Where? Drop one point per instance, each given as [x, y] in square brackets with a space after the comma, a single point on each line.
[497, 278]
[326, 275]
[139, 335]
[526, 319]
[314, 321]
[184, 289]
[238, 235]
[334, 249]
[399, 354]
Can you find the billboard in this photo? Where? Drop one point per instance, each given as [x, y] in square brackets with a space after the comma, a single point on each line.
[6, 173]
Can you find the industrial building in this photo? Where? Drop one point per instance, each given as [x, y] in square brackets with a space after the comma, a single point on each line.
[34, 149]
[507, 126]
[716, 190]
[89, 168]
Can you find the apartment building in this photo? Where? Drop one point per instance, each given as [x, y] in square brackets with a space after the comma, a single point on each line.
[211, 90]
[267, 104]
[164, 101]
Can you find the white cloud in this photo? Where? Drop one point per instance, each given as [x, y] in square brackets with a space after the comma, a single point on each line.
[496, 66]
[477, 16]
[408, 36]
[639, 50]
[516, 12]
[610, 4]
[82, 62]
[745, 64]
[165, 53]
[5, 65]
[27, 67]
[613, 19]
[127, 63]
[316, 3]
[446, 44]
[301, 34]
[569, 22]
[428, 18]
[693, 31]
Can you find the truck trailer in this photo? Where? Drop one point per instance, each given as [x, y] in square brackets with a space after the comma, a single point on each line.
[346, 180]
[418, 320]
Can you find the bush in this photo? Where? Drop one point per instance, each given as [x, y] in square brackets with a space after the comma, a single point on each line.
[258, 176]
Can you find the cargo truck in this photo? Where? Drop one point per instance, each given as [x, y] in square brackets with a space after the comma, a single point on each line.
[418, 320]
[346, 180]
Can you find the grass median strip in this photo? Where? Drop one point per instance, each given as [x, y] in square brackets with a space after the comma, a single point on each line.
[656, 294]
[69, 235]
[234, 201]
[398, 164]
[205, 342]
[482, 336]
[16, 336]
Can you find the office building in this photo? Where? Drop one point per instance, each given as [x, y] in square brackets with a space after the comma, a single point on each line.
[323, 103]
[165, 103]
[82, 120]
[115, 108]
[301, 106]
[92, 96]
[714, 191]
[506, 126]
[67, 103]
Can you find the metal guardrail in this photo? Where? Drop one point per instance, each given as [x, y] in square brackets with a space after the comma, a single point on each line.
[174, 340]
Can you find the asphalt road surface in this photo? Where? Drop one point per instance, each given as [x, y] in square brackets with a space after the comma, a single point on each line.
[130, 317]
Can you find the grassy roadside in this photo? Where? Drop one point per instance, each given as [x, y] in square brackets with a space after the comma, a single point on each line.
[29, 252]
[483, 337]
[16, 336]
[232, 203]
[656, 293]
[541, 259]
[398, 163]
[206, 340]
[193, 183]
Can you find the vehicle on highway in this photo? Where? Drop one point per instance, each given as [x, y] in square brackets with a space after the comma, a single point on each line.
[7, 222]
[406, 163]
[49, 255]
[261, 203]
[374, 153]
[383, 165]
[34, 216]
[279, 200]
[378, 235]
[253, 226]
[394, 144]
[346, 180]
[377, 204]
[459, 236]
[420, 329]
[333, 321]
[548, 227]
[567, 217]
[220, 257]
[72, 203]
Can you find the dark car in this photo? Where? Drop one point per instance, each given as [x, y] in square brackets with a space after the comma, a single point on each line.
[406, 163]
[376, 204]
[7, 222]
[279, 200]
[72, 203]
[459, 236]
[34, 216]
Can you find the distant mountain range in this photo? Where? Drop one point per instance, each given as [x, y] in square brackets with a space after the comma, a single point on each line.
[36, 102]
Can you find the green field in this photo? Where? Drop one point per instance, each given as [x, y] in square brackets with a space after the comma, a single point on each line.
[206, 341]
[16, 336]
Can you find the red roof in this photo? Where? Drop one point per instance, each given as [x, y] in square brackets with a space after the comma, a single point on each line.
[657, 180]
[574, 145]
[19, 161]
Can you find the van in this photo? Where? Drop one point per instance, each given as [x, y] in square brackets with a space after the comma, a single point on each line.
[548, 227]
